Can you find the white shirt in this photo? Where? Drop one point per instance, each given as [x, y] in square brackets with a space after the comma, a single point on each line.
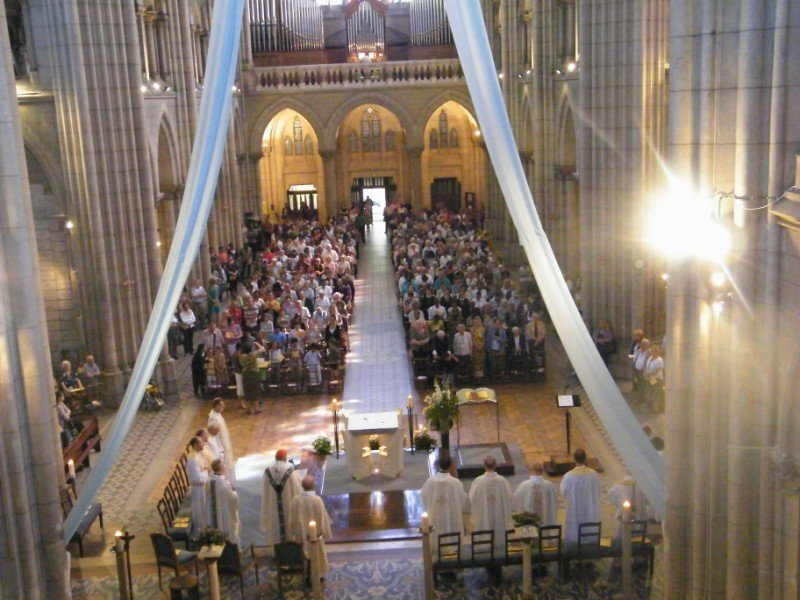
[462, 343]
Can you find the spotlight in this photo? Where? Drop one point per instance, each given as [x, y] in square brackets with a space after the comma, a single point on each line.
[477, 133]
[558, 72]
[158, 243]
[500, 75]
[718, 307]
[156, 86]
[718, 279]
[572, 67]
[143, 88]
[664, 276]
[69, 224]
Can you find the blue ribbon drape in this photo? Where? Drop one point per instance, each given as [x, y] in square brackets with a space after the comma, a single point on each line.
[472, 42]
[198, 196]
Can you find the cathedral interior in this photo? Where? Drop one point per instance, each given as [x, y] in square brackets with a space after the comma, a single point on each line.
[659, 139]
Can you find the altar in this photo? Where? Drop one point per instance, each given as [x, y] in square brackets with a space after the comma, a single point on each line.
[388, 459]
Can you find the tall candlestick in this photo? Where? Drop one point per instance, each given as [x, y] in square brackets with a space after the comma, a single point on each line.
[119, 543]
[426, 522]
[312, 530]
[71, 468]
[626, 511]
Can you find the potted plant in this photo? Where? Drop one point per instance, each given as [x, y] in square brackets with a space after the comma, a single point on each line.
[525, 524]
[322, 445]
[212, 537]
[424, 442]
[441, 409]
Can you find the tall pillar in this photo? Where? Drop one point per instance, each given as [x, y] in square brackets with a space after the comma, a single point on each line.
[331, 181]
[415, 193]
[255, 191]
[32, 556]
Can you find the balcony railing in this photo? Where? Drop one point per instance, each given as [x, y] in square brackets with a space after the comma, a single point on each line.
[401, 73]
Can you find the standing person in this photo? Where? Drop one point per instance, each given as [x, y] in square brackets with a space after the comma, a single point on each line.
[186, 322]
[581, 489]
[539, 496]
[215, 416]
[535, 335]
[490, 501]
[197, 472]
[308, 507]
[445, 500]
[237, 373]
[281, 485]
[653, 375]
[214, 441]
[478, 332]
[198, 296]
[223, 503]
[250, 378]
[640, 359]
[199, 370]
[462, 348]
[604, 340]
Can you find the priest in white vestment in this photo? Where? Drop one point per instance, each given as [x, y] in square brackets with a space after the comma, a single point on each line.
[308, 507]
[214, 443]
[281, 485]
[445, 501]
[215, 416]
[198, 478]
[539, 496]
[581, 489]
[490, 502]
[223, 503]
[209, 455]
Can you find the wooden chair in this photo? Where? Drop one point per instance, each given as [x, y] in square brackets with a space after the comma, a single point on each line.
[448, 554]
[290, 560]
[513, 549]
[176, 528]
[641, 546]
[588, 545]
[169, 557]
[482, 549]
[235, 562]
[550, 548]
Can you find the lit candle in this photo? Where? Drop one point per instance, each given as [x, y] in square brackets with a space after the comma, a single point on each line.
[119, 543]
[71, 468]
[626, 511]
[312, 530]
[426, 523]
[334, 405]
[410, 403]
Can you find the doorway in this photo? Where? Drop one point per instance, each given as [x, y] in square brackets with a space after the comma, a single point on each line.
[301, 200]
[446, 193]
[377, 197]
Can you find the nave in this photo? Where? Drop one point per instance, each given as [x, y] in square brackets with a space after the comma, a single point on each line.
[377, 378]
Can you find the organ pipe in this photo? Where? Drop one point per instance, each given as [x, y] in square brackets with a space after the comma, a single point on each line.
[429, 24]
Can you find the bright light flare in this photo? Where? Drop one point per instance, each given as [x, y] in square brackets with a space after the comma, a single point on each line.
[718, 279]
[681, 225]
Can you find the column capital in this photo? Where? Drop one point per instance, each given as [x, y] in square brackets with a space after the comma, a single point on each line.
[255, 157]
[526, 156]
[327, 154]
[415, 150]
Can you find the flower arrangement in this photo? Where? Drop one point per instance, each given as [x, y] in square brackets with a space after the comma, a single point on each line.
[424, 442]
[526, 518]
[441, 408]
[374, 442]
[322, 445]
[211, 537]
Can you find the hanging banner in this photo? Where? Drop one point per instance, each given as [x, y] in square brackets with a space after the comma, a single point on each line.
[198, 196]
[625, 431]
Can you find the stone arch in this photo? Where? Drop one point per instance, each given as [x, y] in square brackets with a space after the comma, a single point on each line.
[453, 161]
[331, 131]
[167, 182]
[290, 150]
[438, 100]
[256, 135]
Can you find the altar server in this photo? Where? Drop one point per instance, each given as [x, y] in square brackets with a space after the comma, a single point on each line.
[223, 503]
[490, 500]
[581, 489]
[445, 500]
[215, 416]
[539, 496]
[198, 478]
[281, 484]
[307, 507]
[214, 443]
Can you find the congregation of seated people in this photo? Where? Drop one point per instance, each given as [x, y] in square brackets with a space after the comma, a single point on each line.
[467, 317]
[286, 298]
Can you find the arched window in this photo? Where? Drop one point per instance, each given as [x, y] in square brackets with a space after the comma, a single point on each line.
[433, 139]
[298, 136]
[366, 140]
[309, 146]
[353, 141]
[443, 129]
[376, 133]
[389, 140]
[288, 146]
[454, 138]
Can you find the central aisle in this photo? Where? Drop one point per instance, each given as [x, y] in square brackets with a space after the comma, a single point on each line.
[377, 373]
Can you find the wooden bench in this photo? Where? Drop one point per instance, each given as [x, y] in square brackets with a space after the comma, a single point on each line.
[81, 447]
[95, 511]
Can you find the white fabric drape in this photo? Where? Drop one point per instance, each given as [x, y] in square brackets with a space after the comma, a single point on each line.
[644, 463]
[198, 196]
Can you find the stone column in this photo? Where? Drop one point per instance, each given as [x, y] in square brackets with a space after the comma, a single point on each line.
[32, 557]
[415, 193]
[255, 189]
[331, 181]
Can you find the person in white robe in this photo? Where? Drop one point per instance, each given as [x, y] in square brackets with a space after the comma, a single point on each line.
[445, 501]
[215, 416]
[627, 490]
[223, 503]
[198, 478]
[313, 361]
[490, 502]
[214, 443]
[539, 496]
[209, 455]
[281, 485]
[306, 507]
[581, 489]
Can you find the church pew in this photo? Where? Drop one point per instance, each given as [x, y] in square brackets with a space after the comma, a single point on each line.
[81, 447]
